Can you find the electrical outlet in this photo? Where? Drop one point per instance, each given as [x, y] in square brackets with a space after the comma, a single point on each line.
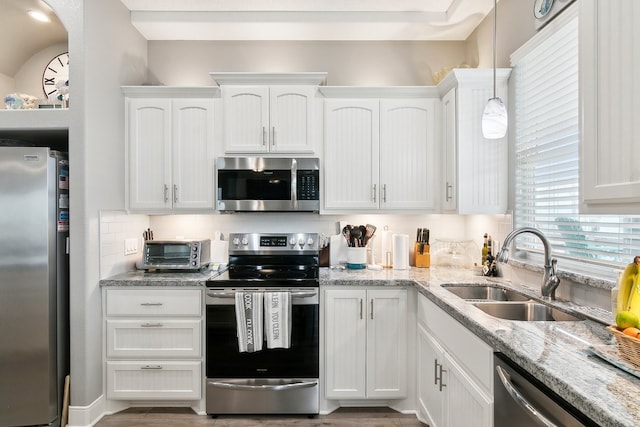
[130, 246]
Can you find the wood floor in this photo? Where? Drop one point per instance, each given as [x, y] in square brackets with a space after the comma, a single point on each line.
[184, 417]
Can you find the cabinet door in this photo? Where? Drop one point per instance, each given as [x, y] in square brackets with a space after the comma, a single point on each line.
[430, 397]
[466, 404]
[291, 118]
[449, 135]
[408, 154]
[386, 343]
[246, 119]
[149, 153]
[352, 150]
[345, 341]
[192, 154]
[609, 64]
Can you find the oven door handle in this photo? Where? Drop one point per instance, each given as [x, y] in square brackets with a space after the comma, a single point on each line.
[232, 294]
[521, 400]
[275, 387]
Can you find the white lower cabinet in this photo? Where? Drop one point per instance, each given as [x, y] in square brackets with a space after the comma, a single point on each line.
[153, 344]
[455, 368]
[366, 343]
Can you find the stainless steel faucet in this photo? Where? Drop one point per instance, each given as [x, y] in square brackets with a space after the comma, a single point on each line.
[550, 280]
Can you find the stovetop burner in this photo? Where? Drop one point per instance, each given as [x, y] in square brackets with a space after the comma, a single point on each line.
[270, 260]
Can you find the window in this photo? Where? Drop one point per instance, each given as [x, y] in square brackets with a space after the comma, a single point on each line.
[547, 138]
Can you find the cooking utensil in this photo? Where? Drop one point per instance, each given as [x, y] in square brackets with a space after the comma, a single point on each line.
[356, 235]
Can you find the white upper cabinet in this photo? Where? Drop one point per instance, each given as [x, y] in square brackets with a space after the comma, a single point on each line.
[267, 113]
[380, 154]
[475, 169]
[610, 104]
[169, 154]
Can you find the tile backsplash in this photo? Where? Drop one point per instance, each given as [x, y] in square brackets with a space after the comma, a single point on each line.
[115, 228]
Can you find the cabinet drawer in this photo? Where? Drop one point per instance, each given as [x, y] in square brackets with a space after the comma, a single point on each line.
[473, 354]
[156, 302]
[153, 338]
[154, 380]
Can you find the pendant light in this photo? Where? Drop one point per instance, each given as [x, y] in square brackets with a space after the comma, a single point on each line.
[494, 117]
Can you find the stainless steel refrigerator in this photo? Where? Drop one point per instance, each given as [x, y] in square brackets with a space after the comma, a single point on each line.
[34, 285]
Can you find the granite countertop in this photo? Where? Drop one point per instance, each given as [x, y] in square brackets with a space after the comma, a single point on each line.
[154, 278]
[556, 353]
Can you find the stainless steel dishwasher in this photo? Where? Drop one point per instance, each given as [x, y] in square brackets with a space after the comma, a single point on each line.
[521, 400]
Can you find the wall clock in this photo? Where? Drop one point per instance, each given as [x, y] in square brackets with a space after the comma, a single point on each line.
[57, 70]
[541, 8]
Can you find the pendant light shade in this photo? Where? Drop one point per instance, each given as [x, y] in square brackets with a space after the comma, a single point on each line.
[494, 118]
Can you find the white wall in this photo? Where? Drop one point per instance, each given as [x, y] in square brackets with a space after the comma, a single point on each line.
[7, 86]
[346, 62]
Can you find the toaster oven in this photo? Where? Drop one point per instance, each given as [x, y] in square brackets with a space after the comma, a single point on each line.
[176, 254]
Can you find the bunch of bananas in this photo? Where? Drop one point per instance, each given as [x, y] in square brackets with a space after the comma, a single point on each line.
[628, 302]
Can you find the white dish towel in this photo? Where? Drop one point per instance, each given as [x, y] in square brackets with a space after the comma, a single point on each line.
[277, 314]
[249, 319]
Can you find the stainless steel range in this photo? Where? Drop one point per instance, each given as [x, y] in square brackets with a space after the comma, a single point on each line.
[262, 378]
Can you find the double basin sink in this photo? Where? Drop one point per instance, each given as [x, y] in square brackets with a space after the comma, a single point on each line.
[508, 304]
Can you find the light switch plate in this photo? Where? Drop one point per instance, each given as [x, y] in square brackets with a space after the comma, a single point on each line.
[130, 246]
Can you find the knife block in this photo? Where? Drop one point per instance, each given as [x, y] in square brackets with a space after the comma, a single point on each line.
[423, 259]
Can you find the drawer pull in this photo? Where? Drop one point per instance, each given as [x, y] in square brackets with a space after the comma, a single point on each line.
[151, 325]
[151, 304]
[151, 367]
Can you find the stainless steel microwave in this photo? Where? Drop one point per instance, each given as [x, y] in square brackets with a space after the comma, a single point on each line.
[269, 184]
[176, 254]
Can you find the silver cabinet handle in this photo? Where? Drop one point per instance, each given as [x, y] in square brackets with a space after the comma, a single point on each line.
[273, 136]
[151, 325]
[441, 383]
[438, 374]
[166, 193]
[374, 193]
[291, 386]
[435, 371]
[155, 367]
[520, 399]
[371, 308]
[360, 308]
[384, 193]
[175, 193]
[264, 136]
[151, 304]
[447, 192]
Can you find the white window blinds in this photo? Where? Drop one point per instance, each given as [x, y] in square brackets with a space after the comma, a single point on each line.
[545, 73]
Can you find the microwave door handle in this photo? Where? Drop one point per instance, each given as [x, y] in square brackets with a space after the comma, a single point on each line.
[294, 183]
[521, 400]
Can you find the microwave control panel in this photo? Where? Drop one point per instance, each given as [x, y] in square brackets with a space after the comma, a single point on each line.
[308, 185]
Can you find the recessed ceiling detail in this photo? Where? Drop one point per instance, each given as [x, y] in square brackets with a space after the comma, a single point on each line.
[307, 19]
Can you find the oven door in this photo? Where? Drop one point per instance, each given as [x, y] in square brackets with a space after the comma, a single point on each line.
[223, 360]
[269, 381]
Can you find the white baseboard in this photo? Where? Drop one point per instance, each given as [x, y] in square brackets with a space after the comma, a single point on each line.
[87, 416]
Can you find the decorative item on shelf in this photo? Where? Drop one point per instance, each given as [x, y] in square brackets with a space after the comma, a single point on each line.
[438, 76]
[494, 117]
[20, 101]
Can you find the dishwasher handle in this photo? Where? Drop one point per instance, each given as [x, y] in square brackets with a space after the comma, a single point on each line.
[521, 400]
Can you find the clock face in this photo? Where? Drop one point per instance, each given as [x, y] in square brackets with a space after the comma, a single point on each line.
[541, 8]
[56, 71]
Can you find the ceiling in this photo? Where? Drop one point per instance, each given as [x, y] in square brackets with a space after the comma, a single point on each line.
[307, 19]
[254, 20]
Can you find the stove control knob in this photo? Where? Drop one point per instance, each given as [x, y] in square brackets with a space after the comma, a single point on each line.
[301, 243]
[245, 241]
[236, 241]
[292, 242]
[310, 242]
